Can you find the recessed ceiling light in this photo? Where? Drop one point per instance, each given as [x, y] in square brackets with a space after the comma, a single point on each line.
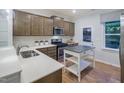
[74, 11]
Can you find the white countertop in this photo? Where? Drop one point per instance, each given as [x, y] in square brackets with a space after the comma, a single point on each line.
[37, 67]
[42, 46]
[9, 62]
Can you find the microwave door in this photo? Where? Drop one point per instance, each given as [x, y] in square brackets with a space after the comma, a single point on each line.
[58, 31]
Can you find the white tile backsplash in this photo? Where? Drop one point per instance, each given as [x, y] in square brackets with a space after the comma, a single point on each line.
[29, 40]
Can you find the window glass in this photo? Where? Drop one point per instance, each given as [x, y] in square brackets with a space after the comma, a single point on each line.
[112, 27]
[112, 41]
[112, 34]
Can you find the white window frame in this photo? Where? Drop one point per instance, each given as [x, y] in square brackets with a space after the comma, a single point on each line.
[104, 47]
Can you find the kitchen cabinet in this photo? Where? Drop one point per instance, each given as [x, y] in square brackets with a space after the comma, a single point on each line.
[55, 77]
[58, 22]
[71, 29]
[21, 24]
[68, 28]
[36, 25]
[48, 27]
[27, 24]
[50, 51]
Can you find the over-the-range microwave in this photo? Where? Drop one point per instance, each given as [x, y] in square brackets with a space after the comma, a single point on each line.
[57, 31]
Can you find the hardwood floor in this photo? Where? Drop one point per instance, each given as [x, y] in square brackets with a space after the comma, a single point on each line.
[102, 73]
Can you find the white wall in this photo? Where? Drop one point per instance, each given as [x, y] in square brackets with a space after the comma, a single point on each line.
[94, 21]
[29, 40]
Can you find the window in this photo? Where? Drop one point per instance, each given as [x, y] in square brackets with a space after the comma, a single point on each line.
[112, 34]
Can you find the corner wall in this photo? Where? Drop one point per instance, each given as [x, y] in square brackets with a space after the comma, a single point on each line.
[94, 21]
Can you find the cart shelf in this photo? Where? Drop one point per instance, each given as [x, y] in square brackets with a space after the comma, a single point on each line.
[74, 68]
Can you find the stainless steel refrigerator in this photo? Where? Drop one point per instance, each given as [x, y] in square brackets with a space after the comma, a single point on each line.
[122, 48]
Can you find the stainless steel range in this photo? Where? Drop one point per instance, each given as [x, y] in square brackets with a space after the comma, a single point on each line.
[60, 45]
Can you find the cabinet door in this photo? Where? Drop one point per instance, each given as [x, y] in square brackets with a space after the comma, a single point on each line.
[21, 24]
[72, 29]
[48, 26]
[36, 25]
[58, 22]
[66, 28]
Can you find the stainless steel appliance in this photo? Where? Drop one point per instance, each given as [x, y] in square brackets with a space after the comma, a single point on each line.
[60, 45]
[122, 48]
[57, 31]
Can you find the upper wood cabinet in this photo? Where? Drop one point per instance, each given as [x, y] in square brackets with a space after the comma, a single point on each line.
[72, 29]
[58, 22]
[48, 26]
[68, 28]
[21, 24]
[36, 25]
[26, 24]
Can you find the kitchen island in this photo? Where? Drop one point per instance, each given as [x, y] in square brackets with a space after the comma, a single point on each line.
[78, 56]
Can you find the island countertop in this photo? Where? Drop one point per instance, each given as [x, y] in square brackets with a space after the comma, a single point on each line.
[79, 48]
[37, 67]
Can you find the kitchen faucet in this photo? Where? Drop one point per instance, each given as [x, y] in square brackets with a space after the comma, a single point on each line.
[19, 48]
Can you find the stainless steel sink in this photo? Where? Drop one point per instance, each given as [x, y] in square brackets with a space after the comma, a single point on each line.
[29, 53]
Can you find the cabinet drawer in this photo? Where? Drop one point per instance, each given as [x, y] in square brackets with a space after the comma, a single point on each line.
[42, 49]
[45, 52]
[52, 51]
[52, 54]
[52, 48]
[54, 57]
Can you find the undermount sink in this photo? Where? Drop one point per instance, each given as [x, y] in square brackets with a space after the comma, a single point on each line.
[28, 54]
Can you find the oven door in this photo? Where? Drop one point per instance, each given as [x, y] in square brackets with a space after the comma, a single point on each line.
[60, 53]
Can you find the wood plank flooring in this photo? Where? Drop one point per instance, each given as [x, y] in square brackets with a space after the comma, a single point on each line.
[102, 73]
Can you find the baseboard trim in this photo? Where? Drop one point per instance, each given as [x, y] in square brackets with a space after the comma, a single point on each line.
[105, 62]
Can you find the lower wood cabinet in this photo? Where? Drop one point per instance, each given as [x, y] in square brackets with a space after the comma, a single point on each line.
[50, 51]
[55, 77]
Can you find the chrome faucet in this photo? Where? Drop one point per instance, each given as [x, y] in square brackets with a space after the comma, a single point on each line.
[19, 48]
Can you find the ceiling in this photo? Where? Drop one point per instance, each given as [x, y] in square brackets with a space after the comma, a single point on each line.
[80, 12]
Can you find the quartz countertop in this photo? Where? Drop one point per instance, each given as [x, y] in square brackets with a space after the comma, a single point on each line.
[37, 67]
[42, 46]
[79, 48]
[9, 63]
[32, 68]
